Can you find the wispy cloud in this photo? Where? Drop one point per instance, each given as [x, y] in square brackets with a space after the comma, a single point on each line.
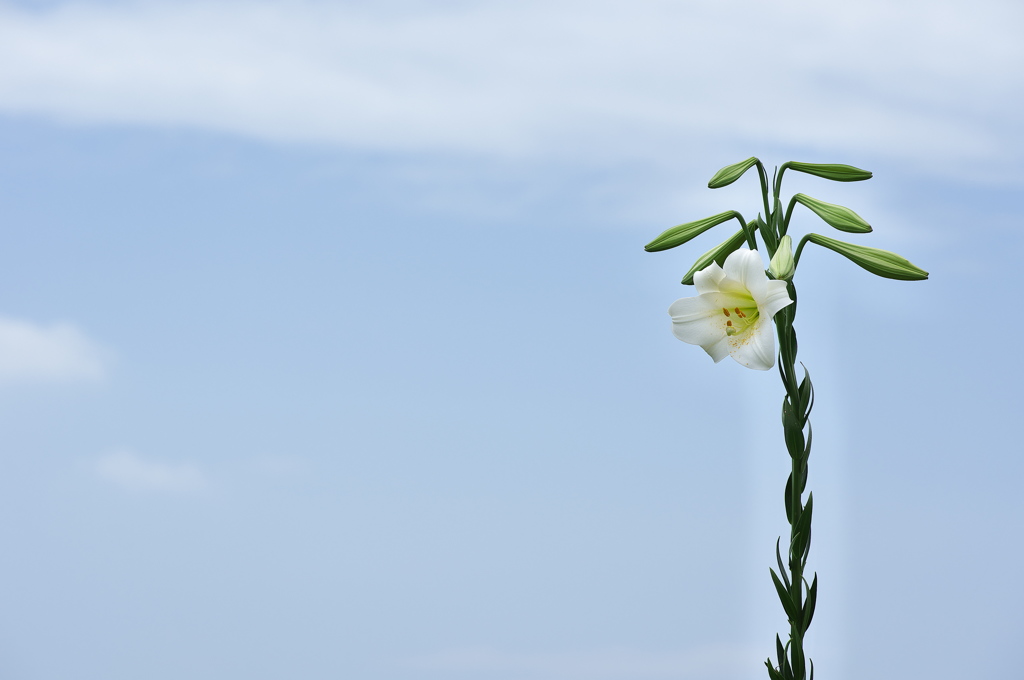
[58, 352]
[134, 473]
[933, 82]
[613, 664]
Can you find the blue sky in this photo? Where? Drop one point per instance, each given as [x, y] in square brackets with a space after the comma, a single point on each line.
[328, 346]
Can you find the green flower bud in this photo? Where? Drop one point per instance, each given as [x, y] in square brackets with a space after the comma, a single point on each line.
[782, 265]
[836, 216]
[678, 235]
[833, 171]
[731, 173]
[879, 262]
[716, 254]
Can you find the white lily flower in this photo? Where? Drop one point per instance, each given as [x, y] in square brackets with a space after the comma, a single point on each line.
[732, 315]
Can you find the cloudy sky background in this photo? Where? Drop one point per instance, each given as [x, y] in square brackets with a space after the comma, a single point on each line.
[328, 347]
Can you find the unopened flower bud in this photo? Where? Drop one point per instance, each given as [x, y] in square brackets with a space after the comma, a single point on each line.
[782, 266]
[680, 234]
[838, 216]
[879, 262]
[731, 173]
[836, 172]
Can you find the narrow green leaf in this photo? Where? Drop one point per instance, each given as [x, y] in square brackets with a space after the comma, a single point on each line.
[807, 449]
[879, 262]
[806, 397]
[802, 529]
[778, 558]
[833, 171]
[789, 499]
[787, 601]
[780, 651]
[837, 216]
[772, 673]
[791, 417]
[783, 370]
[786, 667]
[793, 433]
[812, 597]
[797, 547]
[768, 234]
[680, 234]
[731, 173]
[806, 391]
[798, 663]
[716, 254]
[762, 226]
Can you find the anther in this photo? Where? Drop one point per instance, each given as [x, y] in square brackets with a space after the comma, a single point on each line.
[726, 311]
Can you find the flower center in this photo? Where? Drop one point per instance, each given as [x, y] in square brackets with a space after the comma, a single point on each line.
[739, 319]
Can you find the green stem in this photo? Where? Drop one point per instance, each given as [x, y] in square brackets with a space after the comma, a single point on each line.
[748, 229]
[796, 570]
[789, 214]
[778, 179]
[800, 249]
[796, 408]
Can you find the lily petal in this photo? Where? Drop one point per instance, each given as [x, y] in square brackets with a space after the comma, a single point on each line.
[707, 280]
[776, 297]
[757, 349]
[745, 270]
[718, 350]
[695, 320]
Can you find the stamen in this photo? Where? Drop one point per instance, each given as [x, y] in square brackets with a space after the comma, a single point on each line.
[728, 323]
[739, 313]
[726, 311]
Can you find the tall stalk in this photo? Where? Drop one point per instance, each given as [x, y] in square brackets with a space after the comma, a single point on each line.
[797, 597]
[737, 289]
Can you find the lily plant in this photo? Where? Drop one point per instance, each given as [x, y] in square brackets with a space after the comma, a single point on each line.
[737, 304]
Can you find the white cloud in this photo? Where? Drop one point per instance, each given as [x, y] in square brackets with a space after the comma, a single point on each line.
[129, 471]
[936, 83]
[59, 352]
[612, 664]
